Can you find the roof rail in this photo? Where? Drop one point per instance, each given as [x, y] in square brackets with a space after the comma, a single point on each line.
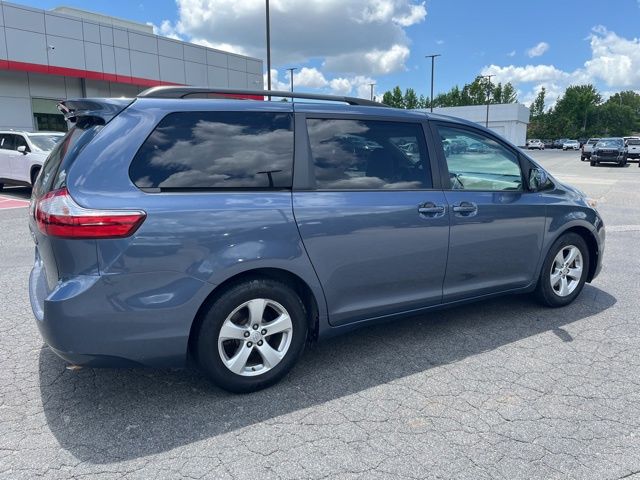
[204, 92]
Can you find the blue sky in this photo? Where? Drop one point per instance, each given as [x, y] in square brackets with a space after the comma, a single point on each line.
[345, 44]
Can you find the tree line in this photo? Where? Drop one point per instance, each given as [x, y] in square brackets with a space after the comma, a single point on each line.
[474, 93]
[579, 113]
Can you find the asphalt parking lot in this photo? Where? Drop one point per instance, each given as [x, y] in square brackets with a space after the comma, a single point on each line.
[500, 389]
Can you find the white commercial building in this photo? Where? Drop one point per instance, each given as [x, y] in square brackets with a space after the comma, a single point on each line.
[509, 120]
[48, 56]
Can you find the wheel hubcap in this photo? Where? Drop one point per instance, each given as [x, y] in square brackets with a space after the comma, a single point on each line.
[566, 271]
[255, 337]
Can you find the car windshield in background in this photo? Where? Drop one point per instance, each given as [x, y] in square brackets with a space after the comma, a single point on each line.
[592, 142]
[610, 143]
[635, 141]
[45, 142]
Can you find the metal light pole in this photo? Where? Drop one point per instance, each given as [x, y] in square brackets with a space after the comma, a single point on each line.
[433, 63]
[291, 76]
[486, 124]
[268, 49]
[372, 85]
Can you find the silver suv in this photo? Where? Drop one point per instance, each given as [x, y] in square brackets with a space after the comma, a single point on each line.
[22, 155]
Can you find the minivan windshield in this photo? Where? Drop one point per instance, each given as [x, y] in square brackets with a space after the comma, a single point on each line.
[45, 143]
[610, 143]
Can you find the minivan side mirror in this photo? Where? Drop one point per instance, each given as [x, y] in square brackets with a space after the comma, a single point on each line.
[538, 180]
[22, 149]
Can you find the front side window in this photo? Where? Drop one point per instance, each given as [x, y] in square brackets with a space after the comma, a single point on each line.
[21, 142]
[477, 162]
[368, 155]
[217, 150]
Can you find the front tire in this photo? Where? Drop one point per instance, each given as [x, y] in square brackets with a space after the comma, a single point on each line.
[564, 271]
[592, 163]
[252, 335]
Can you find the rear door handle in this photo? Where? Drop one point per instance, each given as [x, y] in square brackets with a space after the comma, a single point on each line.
[465, 209]
[430, 209]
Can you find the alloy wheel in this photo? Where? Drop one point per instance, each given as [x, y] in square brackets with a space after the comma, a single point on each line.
[255, 337]
[566, 270]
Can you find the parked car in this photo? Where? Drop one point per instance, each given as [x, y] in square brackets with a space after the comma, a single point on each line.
[587, 148]
[168, 230]
[571, 145]
[559, 143]
[548, 143]
[633, 148]
[609, 150]
[22, 155]
[535, 144]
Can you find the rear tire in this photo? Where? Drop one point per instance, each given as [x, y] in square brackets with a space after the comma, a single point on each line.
[562, 277]
[235, 362]
[592, 163]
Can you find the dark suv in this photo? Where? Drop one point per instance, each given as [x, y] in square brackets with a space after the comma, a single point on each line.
[233, 232]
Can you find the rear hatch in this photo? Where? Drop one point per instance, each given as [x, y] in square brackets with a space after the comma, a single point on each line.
[60, 256]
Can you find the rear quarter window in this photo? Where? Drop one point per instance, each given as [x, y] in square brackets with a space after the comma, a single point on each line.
[217, 150]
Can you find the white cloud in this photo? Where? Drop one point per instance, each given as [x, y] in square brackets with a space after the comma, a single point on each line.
[372, 62]
[512, 53]
[309, 77]
[538, 50]
[615, 61]
[358, 85]
[439, 42]
[358, 37]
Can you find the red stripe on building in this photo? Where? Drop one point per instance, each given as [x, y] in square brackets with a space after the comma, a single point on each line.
[93, 75]
[76, 73]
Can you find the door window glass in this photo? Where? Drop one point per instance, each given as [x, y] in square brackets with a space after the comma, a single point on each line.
[7, 142]
[477, 162]
[368, 155]
[217, 150]
[21, 142]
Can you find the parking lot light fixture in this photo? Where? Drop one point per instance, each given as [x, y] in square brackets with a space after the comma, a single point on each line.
[433, 64]
[291, 70]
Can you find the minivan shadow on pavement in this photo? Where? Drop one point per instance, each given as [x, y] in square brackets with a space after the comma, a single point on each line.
[103, 416]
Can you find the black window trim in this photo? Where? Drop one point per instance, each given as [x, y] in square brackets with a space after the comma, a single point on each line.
[445, 179]
[214, 190]
[304, 181]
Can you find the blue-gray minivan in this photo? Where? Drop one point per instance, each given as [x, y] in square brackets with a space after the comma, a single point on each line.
[181, 226]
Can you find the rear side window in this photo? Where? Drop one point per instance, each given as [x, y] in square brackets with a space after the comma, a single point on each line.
[368, 155]
[217, 150]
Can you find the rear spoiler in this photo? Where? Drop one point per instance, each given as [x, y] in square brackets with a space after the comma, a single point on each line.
[100, 110]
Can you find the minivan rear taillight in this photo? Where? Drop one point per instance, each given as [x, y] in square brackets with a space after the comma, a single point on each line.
[58, 215]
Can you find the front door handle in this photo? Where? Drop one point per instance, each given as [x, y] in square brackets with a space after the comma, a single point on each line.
[465, 209]
[430, 209]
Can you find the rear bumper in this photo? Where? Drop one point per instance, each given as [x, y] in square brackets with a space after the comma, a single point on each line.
[118, 320]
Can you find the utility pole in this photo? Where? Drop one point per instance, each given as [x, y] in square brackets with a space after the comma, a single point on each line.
[372, 85]
[291, 70]
[488, 77]
[268, 49]
[433, 64]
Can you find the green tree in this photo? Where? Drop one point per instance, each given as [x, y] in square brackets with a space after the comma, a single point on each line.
[410, 99]
[509, 94]
[537, 106]
[575, 113]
